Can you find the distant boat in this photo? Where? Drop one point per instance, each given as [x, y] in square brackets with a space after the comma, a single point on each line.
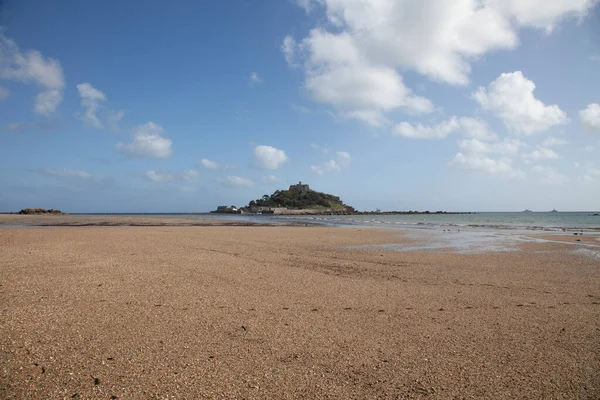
[528, 211]
[554, 210]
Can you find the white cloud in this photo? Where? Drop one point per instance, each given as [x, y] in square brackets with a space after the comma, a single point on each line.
[255, 78]
[236, 182]
[554, 141]
[270, 178]
[588, 147]
[480, 163]
[420, 131]
[475, 155]
[550, 175]
[353, 62]
[32, 67]
[328, 166]
[66, 173]
[470, 127]
[511, 98]
[476, 129]
[90, 101]
[355, 89]
[167, 176]
[147, 142]
[268, 157]
[4, 93]
[590, 116]
[507, 147]
[594, 57]
[215, 166]
[307, 5]
[159, 176]
[47, 101]
[541, 153]
[342, 161]
[208, 164]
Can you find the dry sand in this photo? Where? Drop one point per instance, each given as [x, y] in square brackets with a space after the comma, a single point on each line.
[290, 313]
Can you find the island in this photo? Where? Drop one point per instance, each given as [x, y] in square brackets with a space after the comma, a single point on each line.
[300, 199]
[41, 211]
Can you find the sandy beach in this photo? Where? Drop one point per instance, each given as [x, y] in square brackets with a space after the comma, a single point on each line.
[251, 312]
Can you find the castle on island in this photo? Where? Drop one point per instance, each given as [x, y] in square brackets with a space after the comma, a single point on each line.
[299, 188]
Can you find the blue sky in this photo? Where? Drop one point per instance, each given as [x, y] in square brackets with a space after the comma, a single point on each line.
[111, 106]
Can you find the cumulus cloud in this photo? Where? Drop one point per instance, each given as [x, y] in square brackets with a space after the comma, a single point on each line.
[550, 175]
[554, 141]
[168, 176]
[476, 156]
[510, 97]
[342, 161]
[147, 143]
[4, 93]
[307, 5]
[91, 102]
[268, 157]
[32, 67]
[541, 153]
[65, 173]
[420, 131]
[476, 128]
[588, 147]
[353, 63]
[236, 182]
[470, 127]
[590, 116]
[47, 101]
[215, 166]
[480, 163]
[507, 147]
[288, 48]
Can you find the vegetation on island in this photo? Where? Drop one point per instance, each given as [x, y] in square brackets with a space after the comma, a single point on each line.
[301, 200]
[41, 211]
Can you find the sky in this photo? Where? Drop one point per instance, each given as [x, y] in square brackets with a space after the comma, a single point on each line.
[469, 105]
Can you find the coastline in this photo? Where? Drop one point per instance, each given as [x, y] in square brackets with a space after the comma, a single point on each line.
[291, 312]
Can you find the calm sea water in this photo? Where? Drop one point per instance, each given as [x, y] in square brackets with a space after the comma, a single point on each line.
[490, 220]
[487, 220]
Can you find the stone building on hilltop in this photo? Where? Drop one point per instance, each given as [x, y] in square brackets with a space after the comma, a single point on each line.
[299, 188]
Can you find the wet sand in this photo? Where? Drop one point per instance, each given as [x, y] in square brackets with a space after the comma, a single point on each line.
[290, 313]
[122, 220]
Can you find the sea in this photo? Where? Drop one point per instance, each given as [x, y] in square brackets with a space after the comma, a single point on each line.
[588, 221]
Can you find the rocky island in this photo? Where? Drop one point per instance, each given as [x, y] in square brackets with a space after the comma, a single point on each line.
[300, 199]
[41, 211]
